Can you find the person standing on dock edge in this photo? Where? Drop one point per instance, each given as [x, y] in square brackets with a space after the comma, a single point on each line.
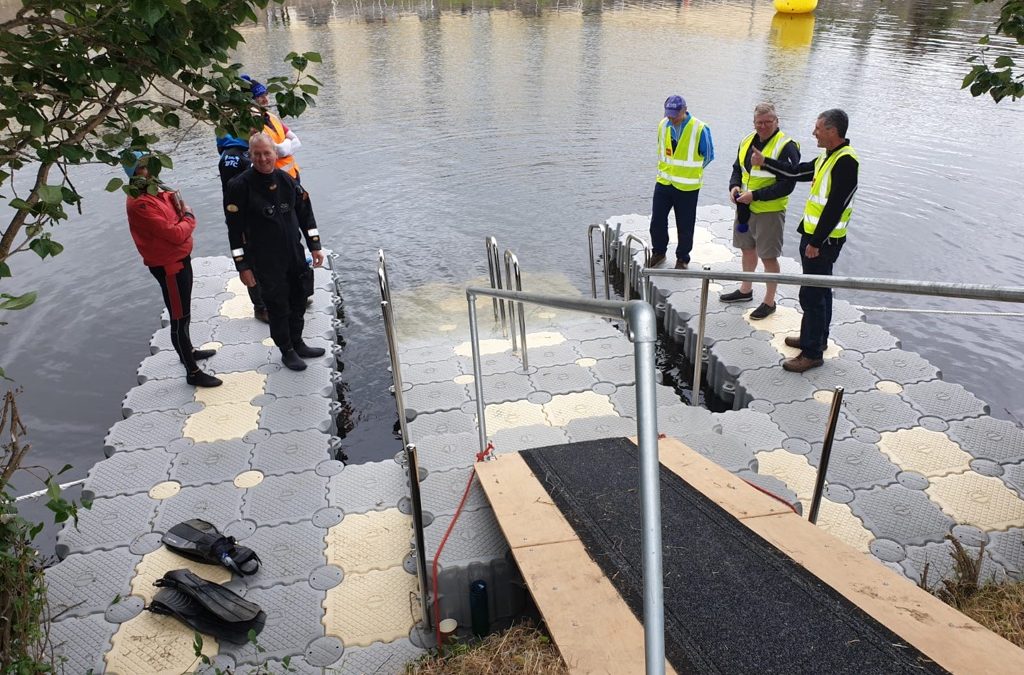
[285, 140]
[833, 177]
[684, 149]
[264, 208]
[234, 159]
[761, 201]
[161, 225]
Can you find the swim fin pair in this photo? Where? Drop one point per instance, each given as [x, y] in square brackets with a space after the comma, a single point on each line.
[207, 607]
[200, 541]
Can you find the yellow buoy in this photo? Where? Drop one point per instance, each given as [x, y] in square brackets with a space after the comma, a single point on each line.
[792, 30]
[795, 6]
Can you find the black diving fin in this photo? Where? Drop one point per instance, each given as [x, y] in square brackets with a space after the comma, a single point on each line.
[207, 607]
[200, 541]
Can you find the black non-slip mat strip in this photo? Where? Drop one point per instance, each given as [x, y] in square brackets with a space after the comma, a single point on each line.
[733, 602]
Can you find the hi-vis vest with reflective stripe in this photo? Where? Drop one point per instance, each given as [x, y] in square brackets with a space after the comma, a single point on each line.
[275, 129]
[758, 178]
[820, 187]
[684, 168]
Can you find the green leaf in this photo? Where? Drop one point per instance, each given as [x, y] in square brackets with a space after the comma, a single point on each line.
[21, 205]
[1004, 61]
[12, 302]
[114, 184]
[150, 11]
[51, 194]
[312, 56]
[309, 88]
[5, 271]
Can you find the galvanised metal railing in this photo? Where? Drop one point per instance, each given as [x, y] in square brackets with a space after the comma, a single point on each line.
[627, 265]
[945, 290]
[411, 462]
[605, 255]
[642, 330]
[512, 271]
[494, 273]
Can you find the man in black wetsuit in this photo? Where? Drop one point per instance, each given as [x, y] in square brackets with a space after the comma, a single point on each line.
[265, 208]
[234, 159]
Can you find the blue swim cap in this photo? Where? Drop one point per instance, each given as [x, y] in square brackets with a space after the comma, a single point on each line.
[256, 88]
[130, 168]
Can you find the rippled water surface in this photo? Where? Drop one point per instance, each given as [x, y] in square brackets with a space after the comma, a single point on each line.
[441, 123]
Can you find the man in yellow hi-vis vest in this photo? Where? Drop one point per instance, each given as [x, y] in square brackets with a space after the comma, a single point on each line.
[684, 149]
[833, 177]
[761, 200]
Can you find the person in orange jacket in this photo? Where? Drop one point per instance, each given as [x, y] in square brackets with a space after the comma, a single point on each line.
[161, 225]
[284, 138]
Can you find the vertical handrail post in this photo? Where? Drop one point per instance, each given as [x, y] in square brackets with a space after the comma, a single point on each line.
[643, 329]
[518, 276]
[413, 465]
[496, 281]
[826, 454]
[698, 352]
[478, 380]
[626, 265]
[512, 309]
[607, 246]
[392, 338]
[590, 252]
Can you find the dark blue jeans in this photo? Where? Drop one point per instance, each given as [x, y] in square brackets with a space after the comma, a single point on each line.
[816, 303]
[684, 203]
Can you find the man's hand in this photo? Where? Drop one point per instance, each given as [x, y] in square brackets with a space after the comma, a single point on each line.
[745, 197]
[318, 258]
[734, 193]
[812, 251]
[756, 158]
[248, 278]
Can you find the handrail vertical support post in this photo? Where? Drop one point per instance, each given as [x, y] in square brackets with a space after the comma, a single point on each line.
[490, 243]
[826, 454]
[413, 466]
[509, 255]
[643, 328]
[698, 351]
[478, 380]
[606, 244]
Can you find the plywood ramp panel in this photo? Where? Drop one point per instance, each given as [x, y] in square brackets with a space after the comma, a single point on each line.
[594, 629]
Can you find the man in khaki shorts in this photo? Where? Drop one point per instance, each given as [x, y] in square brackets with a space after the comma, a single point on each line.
[761, 199]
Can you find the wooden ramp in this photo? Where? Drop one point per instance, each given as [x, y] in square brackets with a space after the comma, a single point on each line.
[596, 632]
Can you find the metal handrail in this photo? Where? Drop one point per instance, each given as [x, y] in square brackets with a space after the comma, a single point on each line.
[604, 259]
[642, 329]
[512, 268]
[494, 270]
[387, 309]
[626, 265]
[412, 463]
[944, 290]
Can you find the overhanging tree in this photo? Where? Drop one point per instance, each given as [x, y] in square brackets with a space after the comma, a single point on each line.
[91, 81]
[997, 77]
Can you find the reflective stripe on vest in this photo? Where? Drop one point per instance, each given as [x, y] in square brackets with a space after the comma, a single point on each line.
[758, 178]
[275, 129]
[684, 168]
[820, 187]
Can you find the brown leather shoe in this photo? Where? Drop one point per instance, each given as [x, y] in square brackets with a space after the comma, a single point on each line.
[801, 364]
[794, 342]
[680, 265]
[656, 259]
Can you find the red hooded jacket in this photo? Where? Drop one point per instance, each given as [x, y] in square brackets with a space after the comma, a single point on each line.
[161, 235]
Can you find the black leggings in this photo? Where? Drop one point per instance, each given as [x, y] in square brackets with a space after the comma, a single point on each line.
[176, 285]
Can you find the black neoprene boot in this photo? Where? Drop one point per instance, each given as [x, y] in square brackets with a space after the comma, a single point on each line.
[292, 361]
[202, 379]
[200, 354]
[307, 352]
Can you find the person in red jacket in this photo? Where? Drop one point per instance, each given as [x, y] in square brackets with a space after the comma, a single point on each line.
[161, 226]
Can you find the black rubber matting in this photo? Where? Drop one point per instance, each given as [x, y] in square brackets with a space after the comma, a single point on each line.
[733, 603]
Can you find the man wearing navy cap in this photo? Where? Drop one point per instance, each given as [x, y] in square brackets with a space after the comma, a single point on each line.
[684, 149]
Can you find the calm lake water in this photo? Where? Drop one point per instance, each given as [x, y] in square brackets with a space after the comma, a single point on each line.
[441, 123]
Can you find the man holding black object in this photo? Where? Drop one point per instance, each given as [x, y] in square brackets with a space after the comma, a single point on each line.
[826, 217]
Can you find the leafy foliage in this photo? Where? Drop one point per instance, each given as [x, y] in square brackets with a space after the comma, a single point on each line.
[91, 81]
[998, 78]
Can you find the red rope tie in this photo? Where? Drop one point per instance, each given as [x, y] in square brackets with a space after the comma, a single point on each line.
[770, 494]
[480, 457]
